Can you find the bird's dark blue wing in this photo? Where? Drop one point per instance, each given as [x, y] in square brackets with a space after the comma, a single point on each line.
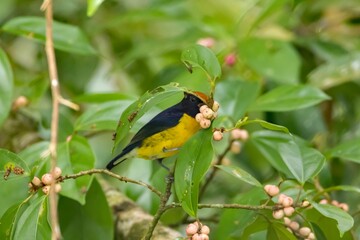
[166, 119]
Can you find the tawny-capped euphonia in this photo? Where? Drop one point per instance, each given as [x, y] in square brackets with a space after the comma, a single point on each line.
[164, 134]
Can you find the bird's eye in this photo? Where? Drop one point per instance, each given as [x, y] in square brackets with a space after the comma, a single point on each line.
[192, 99]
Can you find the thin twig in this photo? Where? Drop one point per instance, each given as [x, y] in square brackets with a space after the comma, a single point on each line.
[162, 208]
[111, 174]
[227, 206]
[54, 83]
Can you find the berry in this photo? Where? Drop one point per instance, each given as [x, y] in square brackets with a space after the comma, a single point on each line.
[287, 202]
[203, 108]
[294, 226]
[335, 203]
[215, 106]
[46, 189]
[311, 236]
[36, 182]
[344, 207]
[287, 221]
[205, 230]
[205, 123]
[304, 231]
[281, 198]
[20, 102]
[208, 113]
[289, 211]
[239, 134]
[230, 59]
[271, 190]
[57, 172]
[191, 229]
[278, 214]
[199, 117]
[206, 42]
[323, 201]
[47, 179]
[217, 135]
[235, 147]
[305, 204]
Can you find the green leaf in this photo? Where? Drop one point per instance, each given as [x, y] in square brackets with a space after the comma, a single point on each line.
[28, 226]
[11, 159]
[235, 96]
[198, 56]
[344, 221]
[74, 156]
[6, 86]
[232, 223]
[90, 221]
[274, 59]
[137, 109]
[101, 116]
[267, 125]
[294, 160]
[240, 174]
[336, 72]
[277, 231]
[348, 150]
[66, 37]
[193, 161]
[93, 5]
[289, 97]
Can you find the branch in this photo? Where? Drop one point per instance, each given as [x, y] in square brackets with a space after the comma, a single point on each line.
[111, 174]
[54, 83]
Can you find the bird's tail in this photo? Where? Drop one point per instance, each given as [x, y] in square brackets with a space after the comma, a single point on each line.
[115, 161]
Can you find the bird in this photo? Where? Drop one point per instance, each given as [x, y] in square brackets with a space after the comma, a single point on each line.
[165, 133]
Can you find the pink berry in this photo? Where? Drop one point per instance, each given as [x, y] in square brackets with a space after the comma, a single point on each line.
[230, 59]
[205, 123]
[208, 113]
[203, 236]
[344, 207]
[294, 226]
[281, 198]
[206, 42]
[205, 230]
[199, 117]
[323, 201]
[57, 172]
[235, 147]
[235, 134]
[304, 231]
[191, 229]
[215, 106]
[36, 182]
[289, 211]
[287, 221]
[278, 214]
[287, 202]
[271, 190]
[217, 135]
[46, 189]
[47, 179]
[335, 203]
[305, 204]
[311, 236]
[203, 108]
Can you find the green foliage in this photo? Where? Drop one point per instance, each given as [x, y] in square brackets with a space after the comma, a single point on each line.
[293, 84]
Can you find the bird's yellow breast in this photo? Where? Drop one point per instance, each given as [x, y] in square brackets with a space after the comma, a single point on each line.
[166, 143]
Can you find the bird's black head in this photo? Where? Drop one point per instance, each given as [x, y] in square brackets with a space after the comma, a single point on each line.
[191, 104]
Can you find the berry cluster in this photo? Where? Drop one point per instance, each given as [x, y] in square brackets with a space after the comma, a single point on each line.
[197, 231]
[335, 203]
[286, 205]
[207, 114]
[237, 135]
[46, 180]
[302, 232]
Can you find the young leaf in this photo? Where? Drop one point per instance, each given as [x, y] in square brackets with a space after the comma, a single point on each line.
[193, 161]
[6, 86]
[28, 225]
[289, 97]
[349, 150]
[137, 109]
[74, 156]
[93, 5]
[267, 125]
[236, 96]
[269, 57]
[75, 219]
[198, 56]
[66, 37]
[344, 221]
[277, 231]
[240, 174]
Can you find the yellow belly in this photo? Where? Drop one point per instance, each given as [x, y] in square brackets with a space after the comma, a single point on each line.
[166, 143]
